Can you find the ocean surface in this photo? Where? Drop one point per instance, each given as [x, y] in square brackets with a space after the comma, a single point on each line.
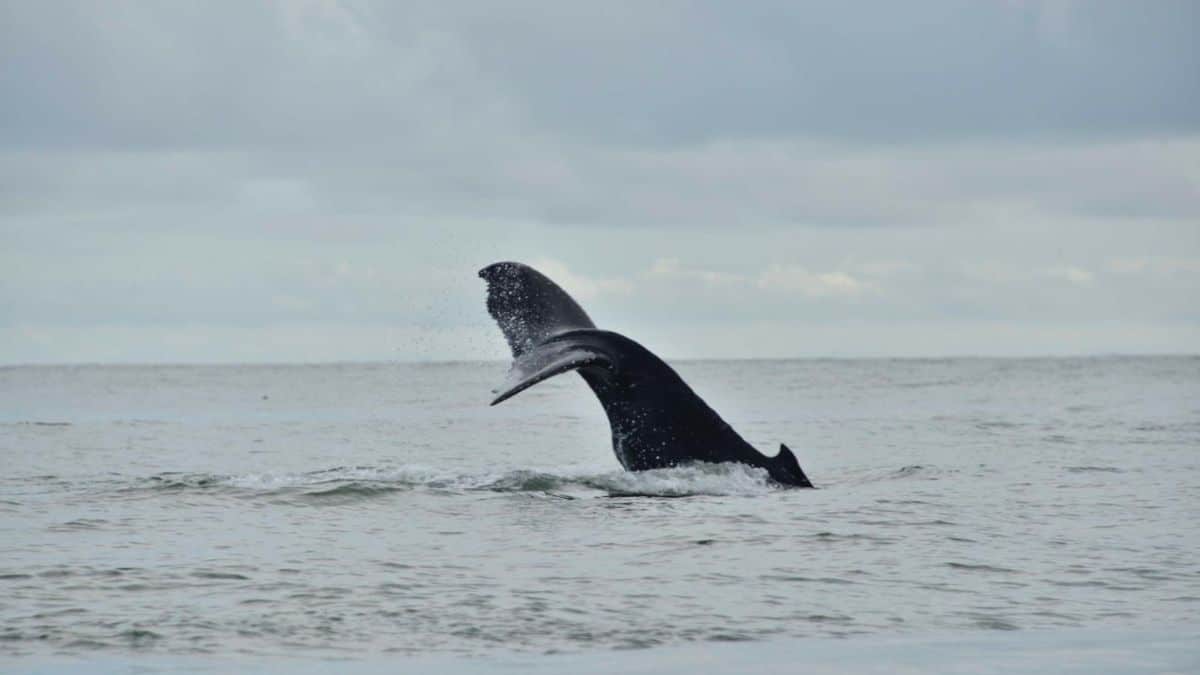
[385, 511]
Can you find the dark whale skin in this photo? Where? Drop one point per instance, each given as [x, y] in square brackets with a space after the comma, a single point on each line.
[657, 421]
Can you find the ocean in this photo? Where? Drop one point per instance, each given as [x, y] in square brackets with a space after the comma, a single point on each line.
[270, 516]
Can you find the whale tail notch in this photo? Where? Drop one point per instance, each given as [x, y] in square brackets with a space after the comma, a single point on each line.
[785, 466]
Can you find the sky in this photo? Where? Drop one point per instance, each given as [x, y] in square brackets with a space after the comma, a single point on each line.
[315, 180]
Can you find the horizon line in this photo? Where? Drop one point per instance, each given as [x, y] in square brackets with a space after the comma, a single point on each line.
[443, 362]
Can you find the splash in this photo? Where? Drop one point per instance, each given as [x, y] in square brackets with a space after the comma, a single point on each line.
[700, 478]
[340, 483]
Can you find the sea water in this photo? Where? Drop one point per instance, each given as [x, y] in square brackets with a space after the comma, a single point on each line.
[384, 511]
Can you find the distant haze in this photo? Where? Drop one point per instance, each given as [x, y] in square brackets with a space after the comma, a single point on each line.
[320, 180]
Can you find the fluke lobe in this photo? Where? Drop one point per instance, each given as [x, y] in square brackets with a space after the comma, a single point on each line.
[657, 420]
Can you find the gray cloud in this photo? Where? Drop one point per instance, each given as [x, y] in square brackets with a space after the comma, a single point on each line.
[692, 113]
[174, 74]
[878, 71]
[169, 170]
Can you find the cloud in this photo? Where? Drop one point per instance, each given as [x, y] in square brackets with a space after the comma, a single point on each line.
[1072, 275]
[692, 115]
[687, 73]
[581, 286]
[797, 279]
[277, 194]
[251, 168]
[1157, 265]
[784, 278]
[670, 269]
[755, 185]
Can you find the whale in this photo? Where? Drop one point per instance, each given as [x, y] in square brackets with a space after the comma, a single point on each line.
[657, 421]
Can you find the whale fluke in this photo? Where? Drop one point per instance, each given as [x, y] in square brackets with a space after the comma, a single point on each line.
[546, 360]
[528, 306]
[657, 421]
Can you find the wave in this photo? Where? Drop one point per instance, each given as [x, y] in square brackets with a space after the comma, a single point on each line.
[357, 482]
[884, 474]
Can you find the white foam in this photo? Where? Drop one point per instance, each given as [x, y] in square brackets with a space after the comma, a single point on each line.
[700, 478]
[403, 475]
[693, 479]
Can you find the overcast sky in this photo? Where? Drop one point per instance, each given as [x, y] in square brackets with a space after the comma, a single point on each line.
[321, 180]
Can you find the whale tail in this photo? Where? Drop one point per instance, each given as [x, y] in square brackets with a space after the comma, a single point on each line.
[656, 419]
[785, 469]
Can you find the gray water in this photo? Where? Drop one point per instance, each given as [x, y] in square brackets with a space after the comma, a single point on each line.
[363, 510]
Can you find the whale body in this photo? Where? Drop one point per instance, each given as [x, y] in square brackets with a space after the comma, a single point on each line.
[657, 421]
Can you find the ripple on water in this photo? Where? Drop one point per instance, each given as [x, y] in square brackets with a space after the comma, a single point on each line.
[220, 576]
[994, 622]
[828, 537]
[980, 567]
[79, 524]
[197, 546]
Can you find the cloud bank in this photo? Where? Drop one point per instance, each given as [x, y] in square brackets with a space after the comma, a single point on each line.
[319, 180]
